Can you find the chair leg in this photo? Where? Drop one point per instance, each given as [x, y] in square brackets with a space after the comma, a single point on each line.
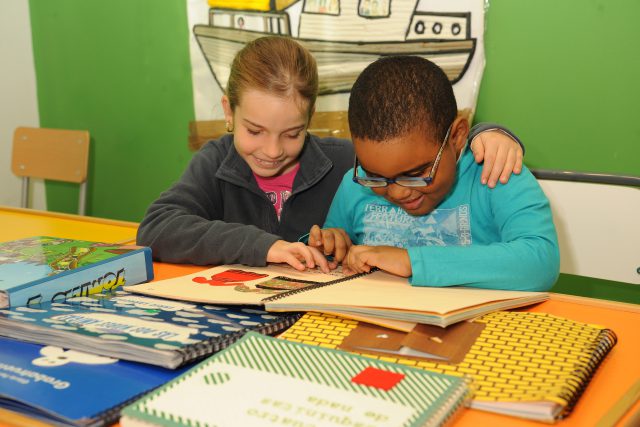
[25, 192]
[82, 198]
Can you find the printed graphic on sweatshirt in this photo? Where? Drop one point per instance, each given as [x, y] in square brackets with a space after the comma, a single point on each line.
[392, 226]
[277, 198]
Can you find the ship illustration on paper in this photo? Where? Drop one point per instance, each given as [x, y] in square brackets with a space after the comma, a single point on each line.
[343, 35]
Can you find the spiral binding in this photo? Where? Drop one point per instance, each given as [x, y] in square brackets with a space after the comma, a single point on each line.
[576, 386]
[312, 287]
[206, 347]
[448, 411]
[112, 415]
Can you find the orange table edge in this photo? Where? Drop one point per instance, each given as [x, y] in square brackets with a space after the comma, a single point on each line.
[613, 378]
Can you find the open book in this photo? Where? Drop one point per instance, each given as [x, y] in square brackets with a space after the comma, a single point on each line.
[279, 287]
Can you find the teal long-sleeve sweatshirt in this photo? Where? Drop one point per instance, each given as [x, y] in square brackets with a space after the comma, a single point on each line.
[501, 238]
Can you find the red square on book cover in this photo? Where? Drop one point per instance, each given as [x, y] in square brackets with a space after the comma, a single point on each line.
[374, 377]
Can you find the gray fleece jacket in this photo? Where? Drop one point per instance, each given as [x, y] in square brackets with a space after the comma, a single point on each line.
[217, 214]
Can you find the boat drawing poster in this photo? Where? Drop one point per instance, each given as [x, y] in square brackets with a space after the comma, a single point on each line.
[344, 36]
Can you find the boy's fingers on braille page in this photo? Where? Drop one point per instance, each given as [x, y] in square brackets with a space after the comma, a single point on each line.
[328, 242]
[340, 252]
[315, 236]
[347, 239]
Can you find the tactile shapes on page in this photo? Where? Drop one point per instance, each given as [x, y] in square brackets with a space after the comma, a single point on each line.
[378, 378]
[229, 277]
[451, 344]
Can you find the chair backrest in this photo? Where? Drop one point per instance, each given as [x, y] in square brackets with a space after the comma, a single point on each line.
[53, 154]
[596, 217]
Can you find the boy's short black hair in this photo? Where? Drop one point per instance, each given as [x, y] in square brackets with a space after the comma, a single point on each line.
[396, 94]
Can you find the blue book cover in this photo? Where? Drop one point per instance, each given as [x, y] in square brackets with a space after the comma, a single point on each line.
[134, 327]
[71, 388]
[39, 269]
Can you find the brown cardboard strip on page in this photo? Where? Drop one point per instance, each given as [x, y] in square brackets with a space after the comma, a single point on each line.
[444, 345]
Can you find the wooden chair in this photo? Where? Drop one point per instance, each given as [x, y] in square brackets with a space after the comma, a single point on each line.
[596, 217]
[51, 154]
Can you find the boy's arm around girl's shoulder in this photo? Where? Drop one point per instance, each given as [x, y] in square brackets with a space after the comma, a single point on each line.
[184, 225]
[478, 128]
[524, 257]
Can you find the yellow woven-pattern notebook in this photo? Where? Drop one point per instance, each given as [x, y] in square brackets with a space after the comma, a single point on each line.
[518, 356]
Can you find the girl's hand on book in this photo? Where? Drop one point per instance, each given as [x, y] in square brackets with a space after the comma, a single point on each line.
[361, 259]
[331, 241]
[297, 255]
[501, 155]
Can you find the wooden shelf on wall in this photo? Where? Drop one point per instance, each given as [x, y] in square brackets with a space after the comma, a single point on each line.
[323, 124]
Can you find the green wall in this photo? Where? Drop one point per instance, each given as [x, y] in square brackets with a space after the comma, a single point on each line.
[562, 75]
[120, 69]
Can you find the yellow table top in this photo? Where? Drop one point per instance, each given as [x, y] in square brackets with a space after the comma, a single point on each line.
[17, 223]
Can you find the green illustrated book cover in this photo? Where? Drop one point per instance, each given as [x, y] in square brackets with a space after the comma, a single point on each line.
[42, 269]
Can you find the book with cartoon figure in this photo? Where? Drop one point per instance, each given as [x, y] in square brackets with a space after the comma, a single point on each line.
[138, 328]
[261, 381]
[529, 365]
[279, 287]
[39, 269]
[67, 387]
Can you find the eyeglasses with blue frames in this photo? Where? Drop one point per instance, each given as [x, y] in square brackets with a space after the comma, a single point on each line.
[404, 181]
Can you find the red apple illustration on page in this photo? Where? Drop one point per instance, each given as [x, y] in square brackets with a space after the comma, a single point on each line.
[229, 278]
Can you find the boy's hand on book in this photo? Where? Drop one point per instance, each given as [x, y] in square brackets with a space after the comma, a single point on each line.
[331, 241]
[502, 156]
[361, 259]
[298, 255]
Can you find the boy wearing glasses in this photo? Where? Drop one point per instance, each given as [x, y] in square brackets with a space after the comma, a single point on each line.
[413, 204]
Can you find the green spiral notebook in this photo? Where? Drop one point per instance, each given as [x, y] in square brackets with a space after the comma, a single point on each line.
[261, 381]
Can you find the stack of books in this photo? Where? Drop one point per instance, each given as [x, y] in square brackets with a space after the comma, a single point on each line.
[75, 348]
[366, 349]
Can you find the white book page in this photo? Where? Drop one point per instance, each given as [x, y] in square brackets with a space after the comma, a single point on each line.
[383, 290]
[227, 284]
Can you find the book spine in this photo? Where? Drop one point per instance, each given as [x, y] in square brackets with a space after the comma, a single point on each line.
[132, 268]
[112, 415]
[314, 286]
[212, 345]
[582, 374]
